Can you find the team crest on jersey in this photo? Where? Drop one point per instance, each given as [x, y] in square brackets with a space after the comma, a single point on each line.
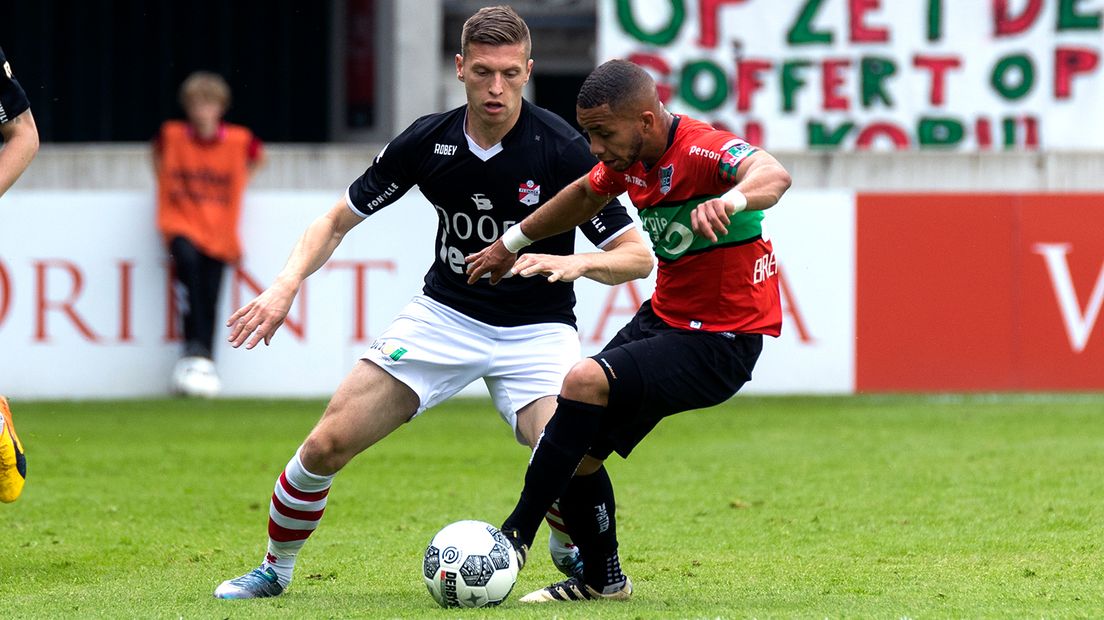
[665, 175]
[529, 193]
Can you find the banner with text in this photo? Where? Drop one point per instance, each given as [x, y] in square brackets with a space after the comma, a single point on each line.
[874, 74]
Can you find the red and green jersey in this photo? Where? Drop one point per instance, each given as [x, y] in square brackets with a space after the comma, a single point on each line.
[728, 285]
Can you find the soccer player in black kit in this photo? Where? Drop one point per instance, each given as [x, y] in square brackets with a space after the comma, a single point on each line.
[483, 166]
[17, 128]
[20, 138]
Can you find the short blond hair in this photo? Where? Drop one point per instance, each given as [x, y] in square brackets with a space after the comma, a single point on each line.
[205, 86]
[495, 25]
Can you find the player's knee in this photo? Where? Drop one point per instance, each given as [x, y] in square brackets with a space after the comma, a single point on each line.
[588, 466]
[586, 382]
[324, 454]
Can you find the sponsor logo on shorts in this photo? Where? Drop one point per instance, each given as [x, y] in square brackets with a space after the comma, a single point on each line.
[391, 350]
[695, 324]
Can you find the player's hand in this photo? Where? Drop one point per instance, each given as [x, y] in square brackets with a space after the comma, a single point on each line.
[259, 319]
[711, 218]
[557, 268]
[494, 260]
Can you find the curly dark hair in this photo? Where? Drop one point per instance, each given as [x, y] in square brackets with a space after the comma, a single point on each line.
[616, 83]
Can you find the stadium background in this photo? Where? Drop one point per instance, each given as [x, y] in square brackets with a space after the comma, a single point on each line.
[933, 267]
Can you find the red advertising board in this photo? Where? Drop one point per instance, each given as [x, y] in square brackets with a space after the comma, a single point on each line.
[979, 292]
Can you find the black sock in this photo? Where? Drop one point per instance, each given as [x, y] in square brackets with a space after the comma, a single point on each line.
[565, 440]
[588, 510]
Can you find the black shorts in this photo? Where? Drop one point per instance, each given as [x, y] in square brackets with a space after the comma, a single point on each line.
[655, 370]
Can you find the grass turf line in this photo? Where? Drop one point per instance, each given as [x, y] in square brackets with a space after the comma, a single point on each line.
[767, 507]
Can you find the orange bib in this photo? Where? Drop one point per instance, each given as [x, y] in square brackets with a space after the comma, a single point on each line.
[200, 186]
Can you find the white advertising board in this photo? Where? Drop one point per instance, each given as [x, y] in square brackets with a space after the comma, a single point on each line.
[86, 310]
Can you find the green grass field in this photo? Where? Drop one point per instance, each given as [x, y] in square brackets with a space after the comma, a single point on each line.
[865, 507]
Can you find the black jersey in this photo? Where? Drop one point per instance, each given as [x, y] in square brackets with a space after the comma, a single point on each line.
[478, 195]
[13, 101]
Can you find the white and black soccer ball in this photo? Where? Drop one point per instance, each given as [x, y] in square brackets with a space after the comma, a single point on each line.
[469, 564]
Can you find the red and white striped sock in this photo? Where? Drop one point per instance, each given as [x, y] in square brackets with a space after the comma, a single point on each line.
[298, 502]
[560, 544]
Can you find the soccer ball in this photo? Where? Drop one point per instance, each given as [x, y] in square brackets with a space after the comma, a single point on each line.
[469, 564]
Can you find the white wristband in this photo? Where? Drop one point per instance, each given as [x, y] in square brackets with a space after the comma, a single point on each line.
[514, 239]
[737, 198]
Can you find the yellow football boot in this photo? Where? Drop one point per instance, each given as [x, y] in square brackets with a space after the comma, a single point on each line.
[13, 465]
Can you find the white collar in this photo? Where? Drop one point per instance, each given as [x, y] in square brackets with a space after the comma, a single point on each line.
[480, 152]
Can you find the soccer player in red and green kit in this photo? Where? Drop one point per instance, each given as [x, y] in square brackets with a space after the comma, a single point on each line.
[701, 193]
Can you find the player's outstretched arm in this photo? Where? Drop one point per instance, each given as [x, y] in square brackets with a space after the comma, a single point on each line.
[572, 206]
[624, 258]
[20, 145]
[760, 182]
[260, 318]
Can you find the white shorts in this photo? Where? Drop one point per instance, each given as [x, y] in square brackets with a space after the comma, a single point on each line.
[437, 352]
